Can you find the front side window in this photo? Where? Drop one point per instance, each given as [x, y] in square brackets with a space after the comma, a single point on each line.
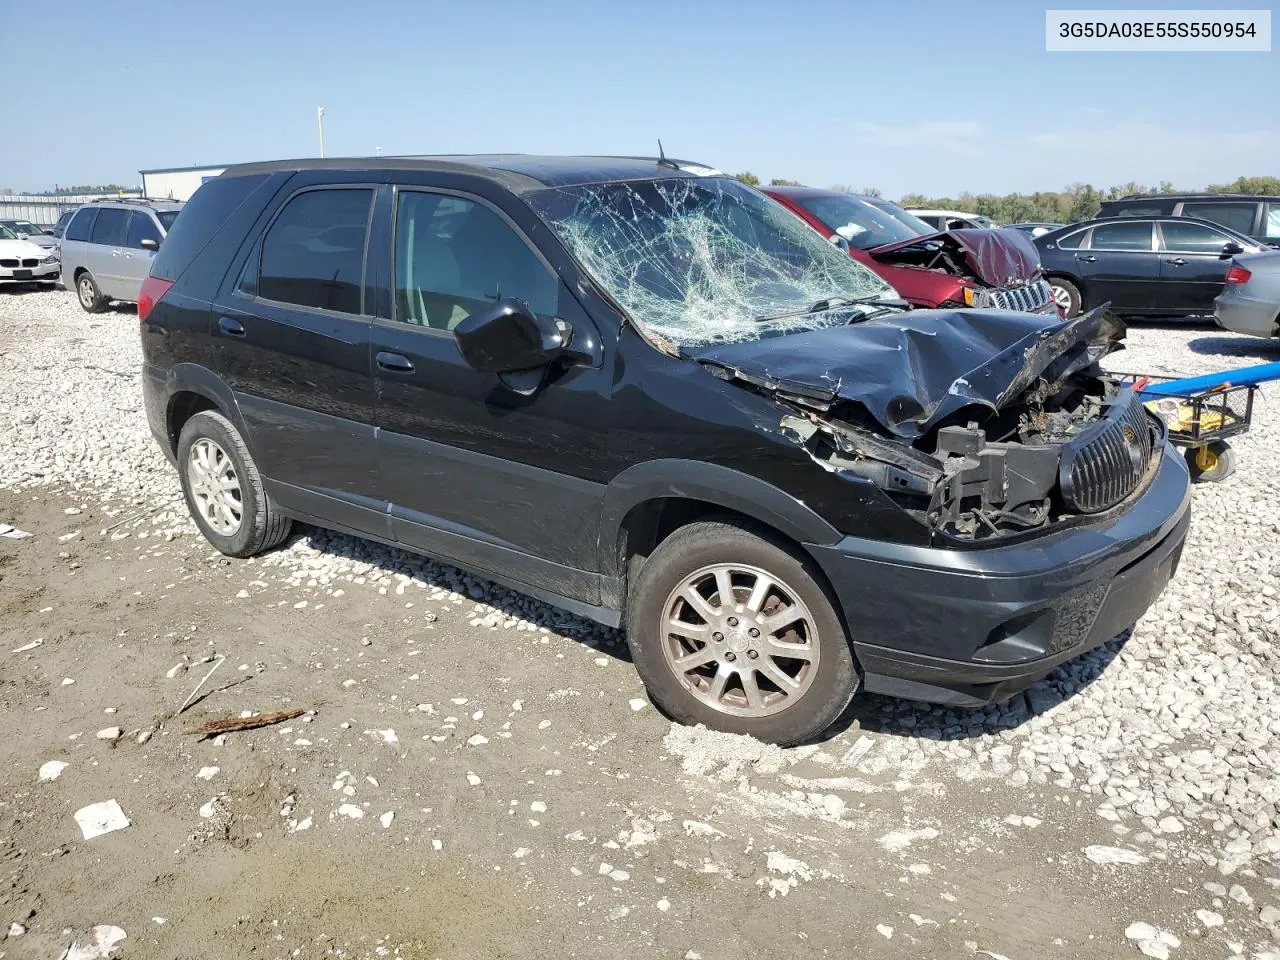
[109, 228]
[1237, 216]
[1191, 238]
[81, 224]
[141, 227]
[1121, 236]
[313, 254]
[862, 224]
[706, 260]
[455, 256]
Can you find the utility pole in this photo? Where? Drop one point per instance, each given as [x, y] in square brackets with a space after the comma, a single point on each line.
[320, 124]
[377, 151]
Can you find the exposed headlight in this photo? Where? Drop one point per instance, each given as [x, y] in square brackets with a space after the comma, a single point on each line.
[51, 258]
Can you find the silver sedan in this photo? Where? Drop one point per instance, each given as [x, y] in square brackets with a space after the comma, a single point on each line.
[1251, 301]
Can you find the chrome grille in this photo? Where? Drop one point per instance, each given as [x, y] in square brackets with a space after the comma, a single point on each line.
[1104, 464]
[1031, 297]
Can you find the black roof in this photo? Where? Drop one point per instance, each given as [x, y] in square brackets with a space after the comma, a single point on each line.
[1191, 196]
[518, 172]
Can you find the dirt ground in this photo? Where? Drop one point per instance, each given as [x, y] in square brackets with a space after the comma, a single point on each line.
[470, 785]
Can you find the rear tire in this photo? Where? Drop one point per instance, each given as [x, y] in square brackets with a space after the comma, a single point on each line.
[223, 488]
[785, 683]
[89, 295]
[1066, 295]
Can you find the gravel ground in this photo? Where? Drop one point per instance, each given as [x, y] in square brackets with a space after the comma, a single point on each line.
[465, 746]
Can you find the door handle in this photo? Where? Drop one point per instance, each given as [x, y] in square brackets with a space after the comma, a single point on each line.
[1176, 262]
[232, 328]
[394, 362]
[1087, 259]
[115, 253]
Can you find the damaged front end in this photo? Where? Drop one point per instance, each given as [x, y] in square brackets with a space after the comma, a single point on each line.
[1027, 436]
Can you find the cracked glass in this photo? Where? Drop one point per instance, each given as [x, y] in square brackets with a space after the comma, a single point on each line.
[703, 260]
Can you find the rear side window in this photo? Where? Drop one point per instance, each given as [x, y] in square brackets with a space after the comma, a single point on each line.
[1122, 236]
[1271, 225]
[110, 227]
[200, 219]
[1237, 216]
[1191, 238]
[1072, 241]
[141, 227]
[313, 254]
[81, 224]
[1135, 210]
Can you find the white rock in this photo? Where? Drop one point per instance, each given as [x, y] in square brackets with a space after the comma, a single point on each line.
[207, 773]
[351, 810]
[473, 779]
[477, 741]
[100, 944]
[1209, 918]
[538, 807]
[16, 929]
[522, 852]
[664, 905]
[386, 819]
[884, 930]
[101, 818]
[52, 770]
[109, 733]
[637, 704]
[1098, 853]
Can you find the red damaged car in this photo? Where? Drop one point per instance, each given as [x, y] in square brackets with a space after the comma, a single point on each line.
[954, 268]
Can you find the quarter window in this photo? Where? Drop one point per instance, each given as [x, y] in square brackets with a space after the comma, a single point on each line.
[141, 227]
[1237, 216]
[1072, 241]
[1122, 236]
[81, 224]
[313, 254]
[456, 256]
[109, 228]
[1191, 238]
[1271, 226]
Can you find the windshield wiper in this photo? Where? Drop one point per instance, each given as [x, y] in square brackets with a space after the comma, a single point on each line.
[832, 303]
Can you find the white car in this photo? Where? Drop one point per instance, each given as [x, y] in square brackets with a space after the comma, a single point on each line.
[22, 261]
[953, 219]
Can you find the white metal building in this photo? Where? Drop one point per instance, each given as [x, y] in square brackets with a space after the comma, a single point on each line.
[176, 183]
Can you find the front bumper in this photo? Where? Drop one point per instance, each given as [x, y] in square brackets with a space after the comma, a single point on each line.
[966, 628]
[40, 272]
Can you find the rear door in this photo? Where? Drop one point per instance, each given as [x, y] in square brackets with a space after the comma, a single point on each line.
[1121, 266]
[1193, 264]
[104, 254]
[135, 262]
[473, 470]
[292, 340]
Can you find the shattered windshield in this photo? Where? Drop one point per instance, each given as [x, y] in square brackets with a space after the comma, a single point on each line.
[697, 261]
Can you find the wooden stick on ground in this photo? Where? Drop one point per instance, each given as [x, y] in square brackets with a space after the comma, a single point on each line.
[234, 724]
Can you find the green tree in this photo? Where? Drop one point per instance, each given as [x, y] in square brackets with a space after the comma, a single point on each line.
[1266, 186]
[749, 178]
[779, 182]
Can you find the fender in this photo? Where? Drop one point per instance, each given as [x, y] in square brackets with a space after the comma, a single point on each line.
[697, 480]
[194, 378]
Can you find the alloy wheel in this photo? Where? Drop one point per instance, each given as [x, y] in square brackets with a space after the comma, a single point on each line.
[1061, 297]
[740, 640]
[215, 486]
[85, 289]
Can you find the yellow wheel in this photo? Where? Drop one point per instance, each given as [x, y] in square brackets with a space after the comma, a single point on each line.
[1212, 462]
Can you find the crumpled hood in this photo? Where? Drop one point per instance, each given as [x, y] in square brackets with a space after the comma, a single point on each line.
[1000, 258]
[913, 369]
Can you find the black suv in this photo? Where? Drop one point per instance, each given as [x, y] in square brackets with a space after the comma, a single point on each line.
[1256, 217]
[645, 392]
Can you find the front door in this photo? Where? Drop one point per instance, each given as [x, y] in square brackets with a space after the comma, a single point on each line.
[293, 342]
[473, 470]
[104, 254]
[1193, 264]
[135, 259]
[1121, 266]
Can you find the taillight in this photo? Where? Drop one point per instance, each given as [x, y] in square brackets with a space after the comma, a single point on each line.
[153, 291]
[1238, 274]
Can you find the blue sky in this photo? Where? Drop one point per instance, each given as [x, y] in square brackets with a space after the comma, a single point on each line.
[927, 97]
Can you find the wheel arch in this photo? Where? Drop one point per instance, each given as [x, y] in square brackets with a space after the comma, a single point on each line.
[191, 388]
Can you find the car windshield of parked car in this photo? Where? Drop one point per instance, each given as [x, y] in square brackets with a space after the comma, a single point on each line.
[702, 260]
[862, 224]
[6, 233]
[22, 227]
[167, 217]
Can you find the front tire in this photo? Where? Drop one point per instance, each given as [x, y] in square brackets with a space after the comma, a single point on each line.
[731, 629]
[223, 488]
[1066, 295]
[89, 295]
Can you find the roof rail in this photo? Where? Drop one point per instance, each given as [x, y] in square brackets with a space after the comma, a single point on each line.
[121, 200]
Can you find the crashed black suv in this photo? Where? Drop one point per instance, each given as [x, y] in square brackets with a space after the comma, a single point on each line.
[646, 393]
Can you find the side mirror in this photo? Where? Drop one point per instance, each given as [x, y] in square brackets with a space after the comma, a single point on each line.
[1231, 248]
[149, 243]
[839, 242]
[48, 233]
[508, 336]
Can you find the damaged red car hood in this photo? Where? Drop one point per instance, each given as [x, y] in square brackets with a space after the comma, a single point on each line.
[911, 370]
[1001, 258]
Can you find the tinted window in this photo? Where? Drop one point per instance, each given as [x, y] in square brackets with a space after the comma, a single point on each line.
[81, 223]
[1122, 236]
[141, 227]
[166, 217]
[313, 254]
[109, 228]
[1191, 237]
[454, 257]
[202, 215]
[1237, 216]
[1072, 241]
[1138, 210]
[1271, 224]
